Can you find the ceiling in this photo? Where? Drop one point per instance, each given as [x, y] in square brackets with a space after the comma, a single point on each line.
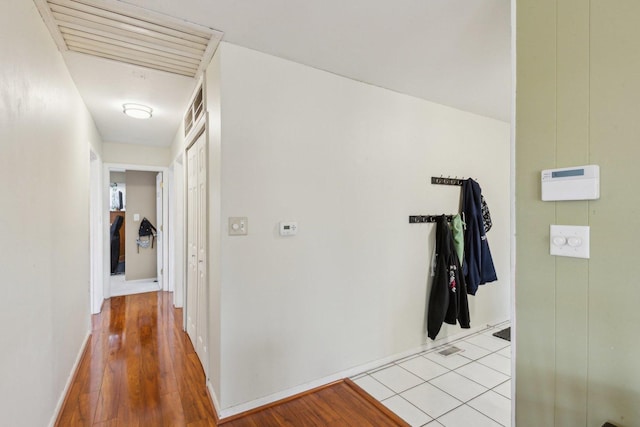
[453, 52]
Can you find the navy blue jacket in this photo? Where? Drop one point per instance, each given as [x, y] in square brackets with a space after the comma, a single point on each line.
[448, 297]
[478, 263]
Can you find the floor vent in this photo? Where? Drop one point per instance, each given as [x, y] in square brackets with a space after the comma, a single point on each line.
[122, 32]
[449, 351]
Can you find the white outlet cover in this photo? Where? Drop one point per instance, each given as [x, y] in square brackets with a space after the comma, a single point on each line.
[569, 241]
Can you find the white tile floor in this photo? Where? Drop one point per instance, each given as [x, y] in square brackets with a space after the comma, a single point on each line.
[468, 388]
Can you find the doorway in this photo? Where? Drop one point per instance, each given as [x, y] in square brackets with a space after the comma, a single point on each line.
[134, 262]
[117, 221]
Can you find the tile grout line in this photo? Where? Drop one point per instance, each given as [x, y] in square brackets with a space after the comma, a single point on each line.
[483, 412]
[397, 363]
[402, 397]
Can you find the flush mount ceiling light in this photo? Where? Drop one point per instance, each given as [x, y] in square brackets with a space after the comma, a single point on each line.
[137, 111]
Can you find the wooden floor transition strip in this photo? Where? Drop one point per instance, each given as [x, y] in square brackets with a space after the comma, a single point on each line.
[341, 403]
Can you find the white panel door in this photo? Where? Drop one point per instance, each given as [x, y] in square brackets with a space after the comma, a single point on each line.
[202, 321]
[192, 261]
[197, 290]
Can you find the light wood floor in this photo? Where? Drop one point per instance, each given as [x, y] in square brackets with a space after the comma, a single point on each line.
[140, 369]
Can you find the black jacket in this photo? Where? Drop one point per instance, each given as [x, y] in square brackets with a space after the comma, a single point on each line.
[448, 297]
[478, 263]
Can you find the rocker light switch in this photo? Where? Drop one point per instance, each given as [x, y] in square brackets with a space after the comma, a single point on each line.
[569, 240]
[238, 226]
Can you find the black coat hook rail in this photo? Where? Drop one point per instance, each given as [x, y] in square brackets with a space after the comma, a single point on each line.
[446, 181]
[418, 219]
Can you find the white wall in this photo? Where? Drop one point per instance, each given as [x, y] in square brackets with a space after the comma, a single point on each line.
[45, 136]
[96, 233]
[136, 154]
[213, 105]
[349, 162]
[176, 218]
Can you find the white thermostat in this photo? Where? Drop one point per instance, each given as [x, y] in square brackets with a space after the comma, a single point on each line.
[576, 183]
[288, 228]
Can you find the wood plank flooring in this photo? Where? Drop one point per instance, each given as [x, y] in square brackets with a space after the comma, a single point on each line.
[140, 369]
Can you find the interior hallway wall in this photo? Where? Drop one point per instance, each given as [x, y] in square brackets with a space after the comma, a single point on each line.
[45, 137]
[141, 200]
[136, 154]
[577, 103]
[349, 162]
[177, 217]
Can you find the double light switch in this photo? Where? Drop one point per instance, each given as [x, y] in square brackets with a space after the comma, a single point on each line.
[569, 240]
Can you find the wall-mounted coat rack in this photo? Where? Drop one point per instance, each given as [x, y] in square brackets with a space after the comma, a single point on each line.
[446, 181]
[418, 219]
[438, 180]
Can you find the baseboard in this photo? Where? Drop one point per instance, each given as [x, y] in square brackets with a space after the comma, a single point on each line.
[214, 399]
[224, 414]
[70, 379]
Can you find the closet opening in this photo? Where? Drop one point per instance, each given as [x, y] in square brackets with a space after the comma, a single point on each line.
[135, 249]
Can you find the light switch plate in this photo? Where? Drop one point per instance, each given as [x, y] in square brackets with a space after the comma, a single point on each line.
[238, 226]
[569, 240]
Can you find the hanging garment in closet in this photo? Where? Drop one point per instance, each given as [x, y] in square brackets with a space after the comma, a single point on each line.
[115, 242]
[448, 298]
[478, 263]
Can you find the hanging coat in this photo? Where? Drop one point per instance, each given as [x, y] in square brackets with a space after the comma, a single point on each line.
[115, 242]
[478, 263]
[448, 298]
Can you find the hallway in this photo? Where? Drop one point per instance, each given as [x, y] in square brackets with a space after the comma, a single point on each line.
[139, 368]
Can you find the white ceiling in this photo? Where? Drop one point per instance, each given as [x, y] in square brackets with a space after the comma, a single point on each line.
[453, 52]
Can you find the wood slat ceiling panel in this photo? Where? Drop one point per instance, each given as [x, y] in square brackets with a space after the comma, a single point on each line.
[116, 46]
[114, 30]
[129, 54]
[177, 31]
[92, 21]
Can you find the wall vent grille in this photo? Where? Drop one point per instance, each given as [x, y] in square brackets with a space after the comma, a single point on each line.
[121, 32]
[194, 111]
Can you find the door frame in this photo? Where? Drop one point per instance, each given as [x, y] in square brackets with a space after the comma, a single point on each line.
[198, 130]
[96, 236]
[107, 168]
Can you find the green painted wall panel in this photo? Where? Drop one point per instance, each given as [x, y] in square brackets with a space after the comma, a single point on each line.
[572, 274]
[535, 282]
[578, 102]
[614, 292]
